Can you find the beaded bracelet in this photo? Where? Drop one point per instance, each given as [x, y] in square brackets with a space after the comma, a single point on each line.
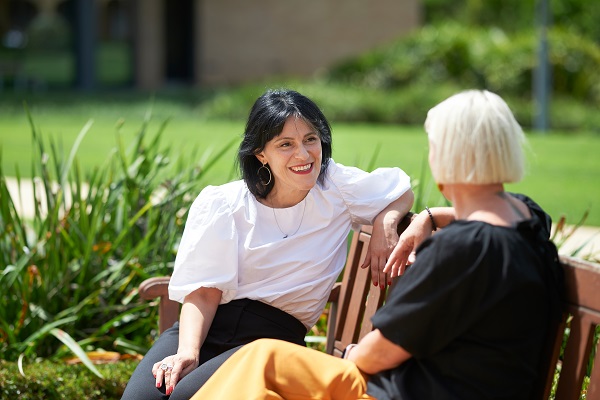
[433, 225]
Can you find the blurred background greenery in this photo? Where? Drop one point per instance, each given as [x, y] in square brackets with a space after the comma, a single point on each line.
[73, 269]
[451, 46]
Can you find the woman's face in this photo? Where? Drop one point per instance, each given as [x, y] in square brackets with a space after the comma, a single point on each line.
[294, 157]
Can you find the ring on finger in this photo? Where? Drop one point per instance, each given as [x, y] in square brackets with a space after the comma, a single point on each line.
[165, 366]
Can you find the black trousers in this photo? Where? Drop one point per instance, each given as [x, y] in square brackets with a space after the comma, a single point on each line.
[235, 324]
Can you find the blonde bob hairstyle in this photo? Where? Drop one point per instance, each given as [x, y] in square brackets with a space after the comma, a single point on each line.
[474, 138]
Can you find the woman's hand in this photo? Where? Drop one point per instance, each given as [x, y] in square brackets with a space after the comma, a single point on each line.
[381, 245]
[385, 237]
[404, 252]
[197, 313]
[173, 368]
[418, 231]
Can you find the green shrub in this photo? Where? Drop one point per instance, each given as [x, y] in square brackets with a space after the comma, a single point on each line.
[71, 272]
[341, 102]
[458, 56]
[400, 82]
[516, 15]
[478, 57]
[575, 65]
[56, 380]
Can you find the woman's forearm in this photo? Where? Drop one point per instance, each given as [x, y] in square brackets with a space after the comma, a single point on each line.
[197, 313]
[374, 353]
[442, 216]
[390, 217]
[385, 237]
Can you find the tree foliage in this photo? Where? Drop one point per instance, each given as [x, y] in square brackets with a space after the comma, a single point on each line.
[577, 16]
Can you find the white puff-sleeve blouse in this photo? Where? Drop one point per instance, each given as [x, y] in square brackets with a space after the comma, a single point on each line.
[236, 244]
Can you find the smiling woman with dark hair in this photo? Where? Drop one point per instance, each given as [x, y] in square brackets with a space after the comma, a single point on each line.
[267, 119]
[260, 255]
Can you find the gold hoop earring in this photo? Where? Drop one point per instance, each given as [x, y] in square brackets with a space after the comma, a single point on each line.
[270, 175]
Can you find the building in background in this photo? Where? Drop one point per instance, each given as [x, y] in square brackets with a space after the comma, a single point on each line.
[150, 44]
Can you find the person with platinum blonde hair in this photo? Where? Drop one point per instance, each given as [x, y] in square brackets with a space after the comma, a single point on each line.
[481, 138]
[470, 317]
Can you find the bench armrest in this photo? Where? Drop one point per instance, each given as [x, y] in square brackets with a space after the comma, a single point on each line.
[334, 298]
[152, 288]
[168, 310]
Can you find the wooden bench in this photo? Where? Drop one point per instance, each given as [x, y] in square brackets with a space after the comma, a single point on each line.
[354, 300]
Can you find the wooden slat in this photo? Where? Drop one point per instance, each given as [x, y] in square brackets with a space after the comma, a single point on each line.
[355, 286]
[593, 392]
[550, 355]
[348, 279]
[375, 300]
[356, 303]
[332, 316]
[582, 298]
[575, 360]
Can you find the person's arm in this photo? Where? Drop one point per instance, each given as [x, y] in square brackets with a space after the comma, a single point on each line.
[374, 353]
[385, 236]
[197, 314]
[420, 228]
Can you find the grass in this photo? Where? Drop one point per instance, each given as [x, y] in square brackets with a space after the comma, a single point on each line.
[181, 135]
[562, 176]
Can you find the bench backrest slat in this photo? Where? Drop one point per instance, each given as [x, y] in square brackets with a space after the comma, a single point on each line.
[593, 392]
[348, 311]
[577, 348]
[359, 298]
[575, 334]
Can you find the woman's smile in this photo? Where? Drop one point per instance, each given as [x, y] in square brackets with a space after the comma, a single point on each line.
[303, 169]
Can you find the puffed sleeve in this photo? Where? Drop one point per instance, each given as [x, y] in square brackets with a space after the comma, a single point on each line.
[208, 253]
[367, 193]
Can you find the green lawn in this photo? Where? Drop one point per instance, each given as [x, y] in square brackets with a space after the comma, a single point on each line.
[563, 175]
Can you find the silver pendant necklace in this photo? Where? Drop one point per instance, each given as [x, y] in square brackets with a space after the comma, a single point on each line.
[286, 235]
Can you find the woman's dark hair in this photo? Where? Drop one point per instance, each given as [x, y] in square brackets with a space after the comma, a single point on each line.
[266, 120]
